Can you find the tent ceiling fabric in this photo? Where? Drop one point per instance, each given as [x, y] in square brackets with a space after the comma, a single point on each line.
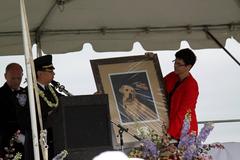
[113, 25]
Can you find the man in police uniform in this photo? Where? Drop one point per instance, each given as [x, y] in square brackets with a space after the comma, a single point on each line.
[49, 97]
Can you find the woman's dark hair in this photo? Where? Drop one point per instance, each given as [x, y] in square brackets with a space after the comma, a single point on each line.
[187, 56]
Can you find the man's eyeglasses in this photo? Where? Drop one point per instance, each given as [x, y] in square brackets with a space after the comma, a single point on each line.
[177, 63]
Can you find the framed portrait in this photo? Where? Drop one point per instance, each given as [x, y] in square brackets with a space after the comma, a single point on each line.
[135, 91]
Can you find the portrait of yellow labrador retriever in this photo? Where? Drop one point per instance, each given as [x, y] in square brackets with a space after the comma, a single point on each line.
[133, 108]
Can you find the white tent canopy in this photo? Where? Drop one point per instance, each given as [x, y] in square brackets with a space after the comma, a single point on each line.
[60, 26]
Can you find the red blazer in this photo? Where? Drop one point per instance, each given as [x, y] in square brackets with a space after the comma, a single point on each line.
[183, 100]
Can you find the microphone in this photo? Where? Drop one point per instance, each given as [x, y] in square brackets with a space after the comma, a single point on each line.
[60, 87]
[55, 84]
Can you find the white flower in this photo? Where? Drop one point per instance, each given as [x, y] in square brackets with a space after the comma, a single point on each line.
[143, 131]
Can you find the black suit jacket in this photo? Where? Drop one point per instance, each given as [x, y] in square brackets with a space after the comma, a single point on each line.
[9, 120]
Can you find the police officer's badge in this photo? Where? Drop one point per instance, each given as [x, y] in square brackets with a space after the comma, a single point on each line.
[22, 99]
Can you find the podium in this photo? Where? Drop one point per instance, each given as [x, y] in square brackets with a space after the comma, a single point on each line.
[81, 125]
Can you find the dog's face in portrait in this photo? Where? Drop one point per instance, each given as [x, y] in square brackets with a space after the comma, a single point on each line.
[133, 107]
[128, 93]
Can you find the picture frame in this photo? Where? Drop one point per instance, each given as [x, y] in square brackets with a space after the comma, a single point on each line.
[136, 93]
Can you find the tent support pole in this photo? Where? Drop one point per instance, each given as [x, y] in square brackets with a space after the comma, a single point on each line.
[39, 52]
[38, 43]
[46, 16]
[220, 45]
[220, 121]
[29, 66]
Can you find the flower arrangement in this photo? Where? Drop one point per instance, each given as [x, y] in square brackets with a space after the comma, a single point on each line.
[10, 152]
[162, 147]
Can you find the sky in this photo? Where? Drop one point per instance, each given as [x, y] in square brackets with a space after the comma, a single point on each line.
[217, 74]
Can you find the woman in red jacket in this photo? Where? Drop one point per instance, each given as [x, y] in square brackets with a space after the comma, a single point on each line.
[182, 90]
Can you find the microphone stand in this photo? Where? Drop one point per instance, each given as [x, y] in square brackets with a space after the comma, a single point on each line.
[121, 130]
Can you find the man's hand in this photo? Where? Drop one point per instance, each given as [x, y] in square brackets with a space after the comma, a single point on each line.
[19, 137]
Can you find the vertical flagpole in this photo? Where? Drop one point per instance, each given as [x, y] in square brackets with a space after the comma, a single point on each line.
[29, 62]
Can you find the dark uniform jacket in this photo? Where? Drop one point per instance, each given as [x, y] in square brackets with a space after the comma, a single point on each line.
[46, 110]
[10, 118]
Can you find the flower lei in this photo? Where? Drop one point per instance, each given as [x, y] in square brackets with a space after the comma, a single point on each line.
[49, 103]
